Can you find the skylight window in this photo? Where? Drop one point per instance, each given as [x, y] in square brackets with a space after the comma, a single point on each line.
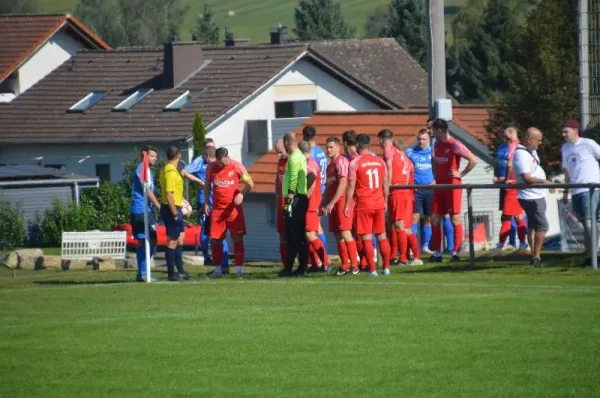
[180, 102]
[133, 99]
[88, 101]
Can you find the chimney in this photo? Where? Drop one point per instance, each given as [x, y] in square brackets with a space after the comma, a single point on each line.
[278, 34]
[180, 59]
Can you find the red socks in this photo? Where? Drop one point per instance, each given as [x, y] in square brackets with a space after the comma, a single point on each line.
[413, 245]
[403, 245]
[217, 252]
[318, 251]
[521, 230]
[343, 251]
[352, 253]
[369, 253]
[459, 233]
[283, 252]
[384, 249]
[238, 253]
[504, 231]
[436, 238]
[393, 243]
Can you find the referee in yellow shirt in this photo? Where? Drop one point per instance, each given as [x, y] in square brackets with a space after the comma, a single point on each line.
[171, 183]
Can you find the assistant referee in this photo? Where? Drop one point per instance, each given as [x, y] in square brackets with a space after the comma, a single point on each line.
[295, 208]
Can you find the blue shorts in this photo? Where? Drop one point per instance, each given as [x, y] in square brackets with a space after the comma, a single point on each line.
[423, 201]
[581, 205]
[173, 226]
[137, 225]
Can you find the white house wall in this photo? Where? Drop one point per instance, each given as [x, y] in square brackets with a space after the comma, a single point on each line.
[60, 47]
[301, 81]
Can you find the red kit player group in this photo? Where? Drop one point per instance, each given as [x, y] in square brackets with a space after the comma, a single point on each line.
[361, 187]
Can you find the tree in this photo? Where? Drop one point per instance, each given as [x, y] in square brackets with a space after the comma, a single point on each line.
[199, 134]
[407, 23]
[133, 22]
[18, 6]
[376, 22]
[543, 87]
[206, 30]
[321, 20]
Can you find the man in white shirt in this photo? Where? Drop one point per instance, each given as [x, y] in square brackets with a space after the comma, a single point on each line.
[580, 163]
[527, 170]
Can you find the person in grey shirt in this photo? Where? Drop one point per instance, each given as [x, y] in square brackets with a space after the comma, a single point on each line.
[580, 162]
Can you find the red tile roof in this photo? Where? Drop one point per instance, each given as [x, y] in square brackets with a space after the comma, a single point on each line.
[22, 34]
[402, 123]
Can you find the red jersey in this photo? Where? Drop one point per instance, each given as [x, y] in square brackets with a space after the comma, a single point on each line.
[315, 199]
[446, 157]
[511, 154]
[336, 170]
[368, 171]
[281, 163]
[225, 181]
[401, 166]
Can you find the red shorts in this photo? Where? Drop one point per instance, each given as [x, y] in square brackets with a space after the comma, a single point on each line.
[280, 219]
[447, 201]
[231, 219]
[313, 220]
[401, 207]
[337, 221]
[370, 221]
[510, 203]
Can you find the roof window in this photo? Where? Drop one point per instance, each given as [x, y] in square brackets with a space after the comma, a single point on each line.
[133, 99]
[180, 102]
[88, 101]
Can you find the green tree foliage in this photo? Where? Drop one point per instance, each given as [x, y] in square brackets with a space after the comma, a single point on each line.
[376, 22]
[64, 218]
[407, 23]
[321, 20]
[18, 6]
[110, 203]
[133, 22]
[12, 225]
[543, 87]
[199, 134]
[206, 30]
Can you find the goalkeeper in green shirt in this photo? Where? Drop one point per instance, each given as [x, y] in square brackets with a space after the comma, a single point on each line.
[295, 207]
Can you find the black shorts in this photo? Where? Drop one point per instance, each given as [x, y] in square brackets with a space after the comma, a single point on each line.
[423, 201]
[137, 225]
[173, 226]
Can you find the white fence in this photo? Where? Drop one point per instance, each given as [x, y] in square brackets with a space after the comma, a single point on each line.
[94, 244]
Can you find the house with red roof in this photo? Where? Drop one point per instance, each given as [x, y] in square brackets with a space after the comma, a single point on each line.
[33, 45]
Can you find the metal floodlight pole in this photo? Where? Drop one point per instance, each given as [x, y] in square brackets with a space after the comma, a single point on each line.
[584, 65]
[436, 52]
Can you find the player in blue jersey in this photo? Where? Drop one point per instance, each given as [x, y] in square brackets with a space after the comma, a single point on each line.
[136, 213]
[309, 134]
[420, 155]
[196, 172]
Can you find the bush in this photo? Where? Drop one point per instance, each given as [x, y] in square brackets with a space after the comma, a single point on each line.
[64, 218]
[12, 225]
[110, 203]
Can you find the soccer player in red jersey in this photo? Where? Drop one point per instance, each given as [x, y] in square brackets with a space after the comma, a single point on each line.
[334, 200]
[369, 186]
[447, 154]
[316, 249]
[280, 199]
[225, 175]
[509, 204]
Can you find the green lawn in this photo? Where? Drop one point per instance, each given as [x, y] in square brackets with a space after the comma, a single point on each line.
[252, 18]
[500, 329]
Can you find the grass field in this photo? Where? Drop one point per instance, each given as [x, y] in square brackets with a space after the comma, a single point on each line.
[252, 18]
[500, 329]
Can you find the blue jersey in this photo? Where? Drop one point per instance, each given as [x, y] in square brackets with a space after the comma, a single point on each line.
[137, 191]
[502, 160]
[318, 154]
[198, 168]
[421, 159]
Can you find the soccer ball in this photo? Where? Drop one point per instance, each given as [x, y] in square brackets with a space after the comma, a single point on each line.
[186, 208]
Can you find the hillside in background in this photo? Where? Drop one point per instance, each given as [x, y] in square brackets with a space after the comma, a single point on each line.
[253, 18]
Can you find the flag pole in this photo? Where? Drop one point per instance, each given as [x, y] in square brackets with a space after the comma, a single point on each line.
[146, 175]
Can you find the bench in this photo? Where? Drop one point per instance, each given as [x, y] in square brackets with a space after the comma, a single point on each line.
[92, 245]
